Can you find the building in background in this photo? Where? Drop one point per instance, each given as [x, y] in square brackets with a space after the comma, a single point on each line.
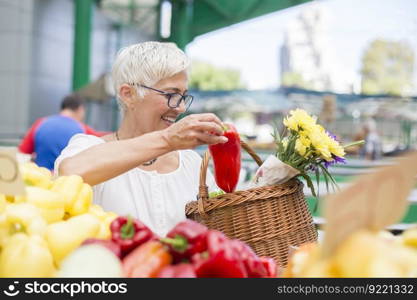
[307, 58]
[36, 59]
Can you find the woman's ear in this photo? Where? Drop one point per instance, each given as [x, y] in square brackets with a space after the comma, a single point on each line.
[127, 95]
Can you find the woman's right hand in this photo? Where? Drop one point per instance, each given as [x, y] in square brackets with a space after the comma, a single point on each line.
[194, 130]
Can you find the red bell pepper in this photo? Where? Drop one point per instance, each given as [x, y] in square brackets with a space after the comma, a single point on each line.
[112, 246]
[186, 239]
[270, 266]
[182, 270]
[227, 160]
[222, 259]
[254, 265]
[129, 233]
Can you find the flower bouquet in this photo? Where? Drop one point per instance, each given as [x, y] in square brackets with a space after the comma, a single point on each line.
[305, 147]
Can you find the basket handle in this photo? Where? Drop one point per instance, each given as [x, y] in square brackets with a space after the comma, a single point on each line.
[203, 189]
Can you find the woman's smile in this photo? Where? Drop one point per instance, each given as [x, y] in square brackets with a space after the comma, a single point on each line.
[169, 120]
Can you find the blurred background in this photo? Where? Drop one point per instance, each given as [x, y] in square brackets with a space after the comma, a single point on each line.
[349, 62]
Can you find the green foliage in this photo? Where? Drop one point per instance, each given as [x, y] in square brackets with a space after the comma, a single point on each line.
[295, 79]
[216, 193]
[387, 68]
[206, 77]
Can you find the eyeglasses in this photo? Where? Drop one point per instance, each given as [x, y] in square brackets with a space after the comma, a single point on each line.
[174, 99]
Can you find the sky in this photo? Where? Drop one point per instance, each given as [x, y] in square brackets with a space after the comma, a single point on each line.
[253, 46]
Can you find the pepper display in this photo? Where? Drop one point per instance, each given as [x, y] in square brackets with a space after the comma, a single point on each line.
[209, 253]
[129, 233]
[41, 229]
[186, 239]
[147, 260]
[227, 160]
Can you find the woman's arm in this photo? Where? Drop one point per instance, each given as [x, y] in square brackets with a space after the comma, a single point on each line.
[105, 161]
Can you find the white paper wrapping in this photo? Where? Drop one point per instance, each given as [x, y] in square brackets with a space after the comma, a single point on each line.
[273, 171]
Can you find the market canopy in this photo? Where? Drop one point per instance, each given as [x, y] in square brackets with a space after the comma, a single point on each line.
[194, 18]
[189, 18]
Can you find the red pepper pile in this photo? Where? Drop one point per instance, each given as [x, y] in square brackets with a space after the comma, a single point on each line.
[211, 254]
[189, 250]
[227, 159]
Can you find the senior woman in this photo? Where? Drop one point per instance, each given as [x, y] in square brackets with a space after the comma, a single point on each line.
[146, 168]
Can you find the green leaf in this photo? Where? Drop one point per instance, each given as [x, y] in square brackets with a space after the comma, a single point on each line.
[334, 183]
[318, 181]
[325, 179]
[309, 183]
[361, 142]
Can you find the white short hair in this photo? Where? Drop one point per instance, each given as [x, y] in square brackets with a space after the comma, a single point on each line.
[147, 63]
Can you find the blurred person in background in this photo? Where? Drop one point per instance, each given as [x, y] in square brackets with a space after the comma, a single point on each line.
[146, 168]
[372, 149]
[49, 135]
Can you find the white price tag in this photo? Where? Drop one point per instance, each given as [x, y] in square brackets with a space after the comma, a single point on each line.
[11, 182]
[374, 201]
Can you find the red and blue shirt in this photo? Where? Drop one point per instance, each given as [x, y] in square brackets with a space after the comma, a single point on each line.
[48, 136]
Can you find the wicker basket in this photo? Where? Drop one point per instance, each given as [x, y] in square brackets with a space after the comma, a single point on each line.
[270, 219]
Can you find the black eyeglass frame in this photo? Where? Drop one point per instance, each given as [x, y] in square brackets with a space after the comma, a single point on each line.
[170, 95]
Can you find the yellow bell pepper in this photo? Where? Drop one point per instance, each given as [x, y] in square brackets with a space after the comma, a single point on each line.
[105, 232]
[22, 218]
[83, 201]
[110, 216]
[9, 198]
[78, 195]
[3, 203]
[65, 236]
[4, 230]
[97, 211]
[26, 256]
[409, 237]
[50, 204]
[36, 176]
[105, 219]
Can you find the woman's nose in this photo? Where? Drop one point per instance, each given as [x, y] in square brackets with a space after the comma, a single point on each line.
[181, 108]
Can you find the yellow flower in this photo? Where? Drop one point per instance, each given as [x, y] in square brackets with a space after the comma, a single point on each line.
[301, 145]
[291, 123]
[301, 149]
[305, 140]
[336, 149]
[320, 141]
[299, 120]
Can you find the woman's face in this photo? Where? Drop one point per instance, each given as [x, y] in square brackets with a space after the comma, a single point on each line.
[152, 112]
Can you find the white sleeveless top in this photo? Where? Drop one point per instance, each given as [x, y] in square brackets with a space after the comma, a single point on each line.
[158, 200]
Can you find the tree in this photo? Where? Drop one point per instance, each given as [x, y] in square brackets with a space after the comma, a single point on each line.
[387, 68]
[206, 77]
[294, 79]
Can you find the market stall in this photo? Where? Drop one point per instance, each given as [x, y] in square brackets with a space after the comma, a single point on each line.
[49, 226]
